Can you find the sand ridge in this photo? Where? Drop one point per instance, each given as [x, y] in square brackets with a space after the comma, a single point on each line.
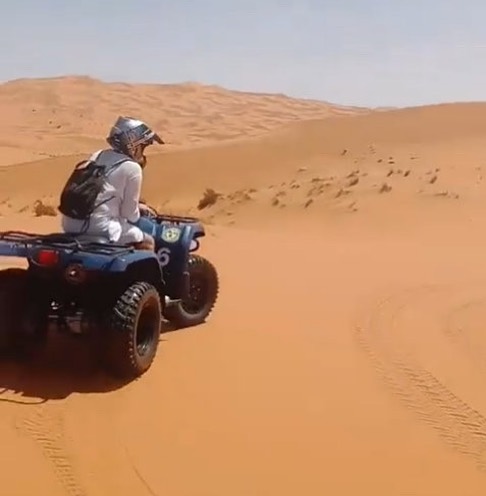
[65, 115]
[346, 354]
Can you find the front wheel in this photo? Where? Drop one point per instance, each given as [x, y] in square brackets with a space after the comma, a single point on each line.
[134, 330]
[195, 307]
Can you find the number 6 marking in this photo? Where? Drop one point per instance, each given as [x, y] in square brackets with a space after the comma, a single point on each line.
[164, 256]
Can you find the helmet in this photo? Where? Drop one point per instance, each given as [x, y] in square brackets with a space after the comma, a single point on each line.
[131, 136]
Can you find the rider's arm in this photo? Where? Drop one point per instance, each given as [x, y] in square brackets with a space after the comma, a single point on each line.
[131, 194]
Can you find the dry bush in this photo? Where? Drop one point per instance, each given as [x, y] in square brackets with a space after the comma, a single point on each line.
[42, 209]
[209, 198]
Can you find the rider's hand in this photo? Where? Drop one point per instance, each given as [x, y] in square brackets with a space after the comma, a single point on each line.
[144, 209]
[147, 211]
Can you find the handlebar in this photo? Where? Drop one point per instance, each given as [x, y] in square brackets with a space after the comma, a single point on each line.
[151, 213]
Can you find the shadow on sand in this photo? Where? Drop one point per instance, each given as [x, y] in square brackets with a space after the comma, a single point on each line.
[65, 366]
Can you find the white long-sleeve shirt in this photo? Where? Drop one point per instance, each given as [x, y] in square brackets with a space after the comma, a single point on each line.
[120, 197]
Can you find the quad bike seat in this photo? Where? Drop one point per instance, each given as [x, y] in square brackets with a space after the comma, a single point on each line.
[80, 238]
[91, 238]
[95, 239]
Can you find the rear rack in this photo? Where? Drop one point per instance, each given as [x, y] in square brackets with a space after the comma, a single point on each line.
[63, 241]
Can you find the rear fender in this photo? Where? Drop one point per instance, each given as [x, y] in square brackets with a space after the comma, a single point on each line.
[13, 249]
[105, 262]
[147, 270]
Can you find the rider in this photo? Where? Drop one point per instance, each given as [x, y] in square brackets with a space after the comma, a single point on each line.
[119, 207]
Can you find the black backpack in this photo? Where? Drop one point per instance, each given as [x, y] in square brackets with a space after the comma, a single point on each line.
[78, 197]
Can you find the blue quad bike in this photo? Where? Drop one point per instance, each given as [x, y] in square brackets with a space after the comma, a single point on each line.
[84, 285]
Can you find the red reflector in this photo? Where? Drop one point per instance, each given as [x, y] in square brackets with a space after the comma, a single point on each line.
[47, 257]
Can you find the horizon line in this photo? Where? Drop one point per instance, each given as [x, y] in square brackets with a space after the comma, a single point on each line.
[253, 92]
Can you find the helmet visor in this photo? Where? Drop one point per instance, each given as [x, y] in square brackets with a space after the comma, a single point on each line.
[149, 137]
[157, 139]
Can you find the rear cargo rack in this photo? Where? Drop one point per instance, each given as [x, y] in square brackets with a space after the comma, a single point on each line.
[63, 241]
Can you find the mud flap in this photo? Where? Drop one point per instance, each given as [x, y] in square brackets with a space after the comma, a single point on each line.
[185, 283]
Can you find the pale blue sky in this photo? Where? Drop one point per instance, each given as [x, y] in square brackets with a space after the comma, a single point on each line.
[364, 52]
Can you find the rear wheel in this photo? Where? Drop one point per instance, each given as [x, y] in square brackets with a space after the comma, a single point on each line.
[23, 326]
[203, 293]
[134, 331]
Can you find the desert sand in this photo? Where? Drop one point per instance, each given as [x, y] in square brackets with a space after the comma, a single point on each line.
[346, 354]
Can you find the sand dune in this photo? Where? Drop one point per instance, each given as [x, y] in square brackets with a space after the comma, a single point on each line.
[346, 354]
[313, 166]
[59, 116]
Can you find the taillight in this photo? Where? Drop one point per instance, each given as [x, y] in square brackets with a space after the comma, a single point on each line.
[47, 257]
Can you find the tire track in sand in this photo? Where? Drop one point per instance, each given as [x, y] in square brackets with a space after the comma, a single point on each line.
[45, 425]
[456, 327]
[383, 338]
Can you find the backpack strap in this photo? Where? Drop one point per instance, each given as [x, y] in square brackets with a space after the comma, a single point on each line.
[95, 161]
[89, 162]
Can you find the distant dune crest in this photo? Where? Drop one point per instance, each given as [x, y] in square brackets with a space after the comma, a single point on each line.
[71, 114]
[50, 117]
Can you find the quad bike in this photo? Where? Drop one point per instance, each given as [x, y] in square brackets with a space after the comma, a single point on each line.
[83, 285]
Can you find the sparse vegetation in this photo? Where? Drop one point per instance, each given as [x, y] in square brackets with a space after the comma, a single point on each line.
[209, 198]
[240, 196]
[341, 192]
[42, 209]
[385, 188]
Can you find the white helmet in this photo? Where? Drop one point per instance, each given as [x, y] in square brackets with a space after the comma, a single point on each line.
[131, 136]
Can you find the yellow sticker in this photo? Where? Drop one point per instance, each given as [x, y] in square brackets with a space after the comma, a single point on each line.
[171, 234]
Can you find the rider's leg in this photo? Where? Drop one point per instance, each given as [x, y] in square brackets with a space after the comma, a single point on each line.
[147, 226]
[133, 235]
[148, 243]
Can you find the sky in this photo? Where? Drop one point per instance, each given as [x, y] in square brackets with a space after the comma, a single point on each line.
[351, 52]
